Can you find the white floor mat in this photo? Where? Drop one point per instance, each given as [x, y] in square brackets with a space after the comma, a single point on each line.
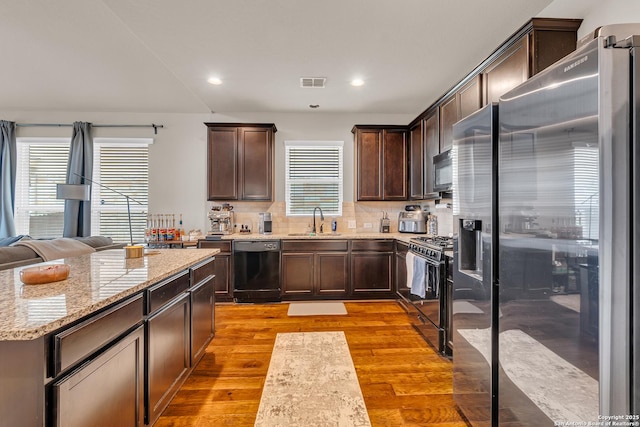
[316, 309]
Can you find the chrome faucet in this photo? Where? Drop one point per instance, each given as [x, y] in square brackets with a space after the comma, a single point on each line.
[314, 218]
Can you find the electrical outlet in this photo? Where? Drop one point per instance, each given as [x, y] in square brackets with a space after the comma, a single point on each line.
[351, 223]
[368, 225]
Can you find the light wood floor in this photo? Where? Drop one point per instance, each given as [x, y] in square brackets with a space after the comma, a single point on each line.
[404, 382]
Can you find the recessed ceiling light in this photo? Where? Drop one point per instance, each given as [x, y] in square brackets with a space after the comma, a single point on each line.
[214, 81]
[357, 82]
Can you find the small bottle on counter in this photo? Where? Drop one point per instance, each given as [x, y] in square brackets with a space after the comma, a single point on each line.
[334, 225]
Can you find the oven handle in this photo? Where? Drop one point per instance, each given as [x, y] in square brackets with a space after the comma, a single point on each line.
[429, 261]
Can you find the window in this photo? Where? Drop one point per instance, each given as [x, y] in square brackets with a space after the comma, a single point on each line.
[119, 163]
[313, 177]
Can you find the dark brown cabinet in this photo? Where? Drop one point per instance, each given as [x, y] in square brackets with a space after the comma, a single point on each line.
[167, 343]
[240, 161]
[401, 264]
[202, 296]
[223, 268]
[313, 268]
[464, 102]
[108, 387]
[431, 148]
[536, 45]
[381, 162]
[416, 162]
[449, 114]
[372, 268]
[507, 71]
[469, 97]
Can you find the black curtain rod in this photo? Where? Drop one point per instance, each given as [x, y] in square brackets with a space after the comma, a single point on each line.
[154, 126]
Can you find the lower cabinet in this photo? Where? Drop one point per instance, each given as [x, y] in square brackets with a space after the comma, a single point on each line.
[401, 264]
[202, 318]
[108, 388]
[223, 268]
[168, 358]
[312, 268]
[372, 268]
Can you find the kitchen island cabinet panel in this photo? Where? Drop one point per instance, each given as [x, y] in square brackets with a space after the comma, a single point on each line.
[202, 295]
[74, 344]
[108, 389]
[168, 354]
[75, 352]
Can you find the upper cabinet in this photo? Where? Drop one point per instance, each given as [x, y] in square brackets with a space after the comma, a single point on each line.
[381, 162]
[507, 71]
[240, 161]
[535, 46]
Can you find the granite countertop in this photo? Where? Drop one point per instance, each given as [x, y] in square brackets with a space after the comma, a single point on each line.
[404, 237]
[95, 281]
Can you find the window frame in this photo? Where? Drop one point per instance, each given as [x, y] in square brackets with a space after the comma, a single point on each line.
[23, 206]
[309, 144]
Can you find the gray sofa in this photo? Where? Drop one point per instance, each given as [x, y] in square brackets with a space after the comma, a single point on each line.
[17, 256]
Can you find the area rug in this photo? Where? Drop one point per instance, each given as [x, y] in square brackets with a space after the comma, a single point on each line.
[571, 301]
[311, 381]
[316, 309]
[562, 391]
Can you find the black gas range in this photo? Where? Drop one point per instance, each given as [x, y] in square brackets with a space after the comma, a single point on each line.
[432, 248]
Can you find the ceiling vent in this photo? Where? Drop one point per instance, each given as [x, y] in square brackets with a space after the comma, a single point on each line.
[312, 82]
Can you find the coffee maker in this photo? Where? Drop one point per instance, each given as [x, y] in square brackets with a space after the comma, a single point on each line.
[266, 223]
[221, 222]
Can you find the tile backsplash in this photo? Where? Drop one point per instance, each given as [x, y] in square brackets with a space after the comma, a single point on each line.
[365, 214]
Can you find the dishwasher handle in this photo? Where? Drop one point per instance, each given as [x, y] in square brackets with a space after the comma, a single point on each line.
[256, 246]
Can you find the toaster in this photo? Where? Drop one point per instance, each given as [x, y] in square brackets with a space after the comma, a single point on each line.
[412, 222]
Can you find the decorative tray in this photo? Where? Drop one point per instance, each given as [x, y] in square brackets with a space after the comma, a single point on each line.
[44, 274]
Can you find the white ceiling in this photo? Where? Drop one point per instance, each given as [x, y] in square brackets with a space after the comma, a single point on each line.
[156, 55]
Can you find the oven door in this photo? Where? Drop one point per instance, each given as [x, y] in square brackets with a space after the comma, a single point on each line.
[422, 294]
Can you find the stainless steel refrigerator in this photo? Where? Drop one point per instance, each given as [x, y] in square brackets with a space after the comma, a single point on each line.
[563, 297]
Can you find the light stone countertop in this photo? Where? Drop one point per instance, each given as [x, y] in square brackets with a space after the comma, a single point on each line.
[95, 281]
[404, 237]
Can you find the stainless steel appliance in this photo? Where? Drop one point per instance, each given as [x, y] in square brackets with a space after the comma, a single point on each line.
[550, 335]
[256, 267]
[425, 290]
[412, 222]
[443, 172]
[221, 222]
[266, 223]
[474, 200]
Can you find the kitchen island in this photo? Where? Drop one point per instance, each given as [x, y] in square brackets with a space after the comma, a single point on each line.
[115, 339]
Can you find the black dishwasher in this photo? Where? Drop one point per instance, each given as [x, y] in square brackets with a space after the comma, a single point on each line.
[256, 270]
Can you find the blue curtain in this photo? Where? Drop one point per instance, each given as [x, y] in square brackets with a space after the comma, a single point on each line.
[77, 213]
[7, 178]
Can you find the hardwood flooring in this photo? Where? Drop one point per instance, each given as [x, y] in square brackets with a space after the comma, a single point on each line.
[403, 380]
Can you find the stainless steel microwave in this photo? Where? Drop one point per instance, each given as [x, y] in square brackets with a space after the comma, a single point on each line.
[443, 172]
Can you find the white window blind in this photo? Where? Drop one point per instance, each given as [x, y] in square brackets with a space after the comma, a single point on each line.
[124, 167]
[119, 163]
[41, 164]
[314, 177]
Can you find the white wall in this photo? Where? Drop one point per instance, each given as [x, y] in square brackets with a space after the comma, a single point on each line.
[178, 154]
[594, 13]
